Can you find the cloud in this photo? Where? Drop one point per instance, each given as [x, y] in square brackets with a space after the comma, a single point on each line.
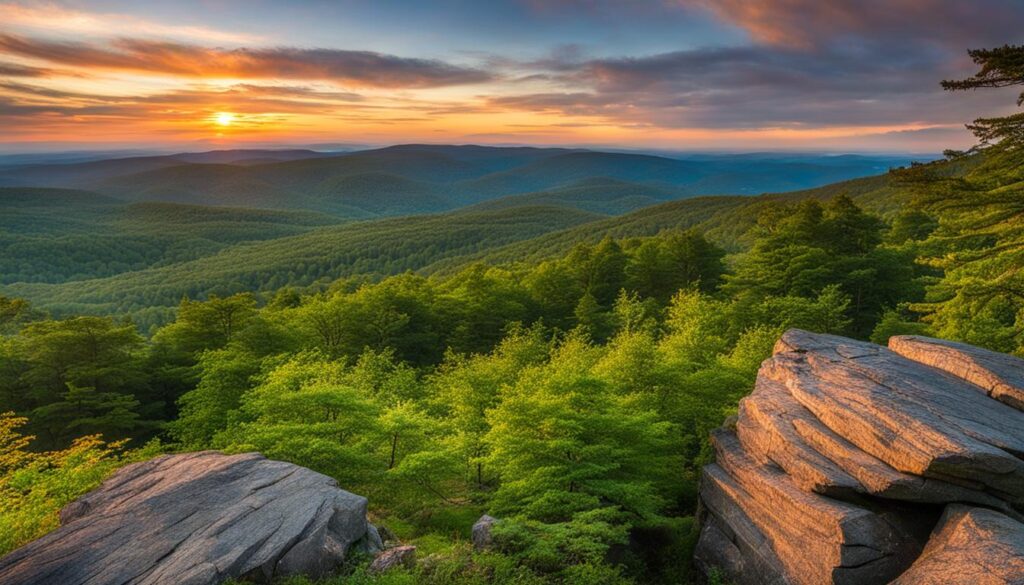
[50, 18]
[809, 64]
[352, 68]
[808, 23]
[15, 70]
[810, 67]
[757, 87]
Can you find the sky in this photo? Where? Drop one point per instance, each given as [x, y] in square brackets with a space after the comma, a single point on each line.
[687, 75]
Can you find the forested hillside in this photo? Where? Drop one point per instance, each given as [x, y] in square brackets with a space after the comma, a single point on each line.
[55, 235]
[426, 244]
[146, 234]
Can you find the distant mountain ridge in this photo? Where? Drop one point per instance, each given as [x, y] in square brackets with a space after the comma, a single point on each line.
[419, 178]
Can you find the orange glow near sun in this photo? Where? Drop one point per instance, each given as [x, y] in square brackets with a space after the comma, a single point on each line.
[224, 118]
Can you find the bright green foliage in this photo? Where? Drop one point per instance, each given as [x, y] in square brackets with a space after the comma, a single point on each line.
[581, 540]
[304, 412]
[225, 375]
[564, 442]
[465, 388]
[401, 313]
[894, 322]
[211, 324]
[801, 251]
[35, 486]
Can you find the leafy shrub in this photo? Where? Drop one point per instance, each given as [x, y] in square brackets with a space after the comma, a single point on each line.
[35, 486]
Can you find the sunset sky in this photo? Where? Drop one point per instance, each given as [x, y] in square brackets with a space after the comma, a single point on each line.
[840, 75]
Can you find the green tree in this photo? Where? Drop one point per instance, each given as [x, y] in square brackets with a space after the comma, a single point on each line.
[84, 411]
[591, 318]
[14, 313]
[556, 291]
[209, 324]
[999, 67]
[979, 202]
[74, 358]
[465, 388]
[563, 442]
[303, 412]
[224, 376]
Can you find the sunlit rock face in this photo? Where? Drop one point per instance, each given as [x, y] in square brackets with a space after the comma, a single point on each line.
[851, 462]
[197, 519]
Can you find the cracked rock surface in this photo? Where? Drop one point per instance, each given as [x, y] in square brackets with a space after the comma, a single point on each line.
[846, 455]
[196, 519]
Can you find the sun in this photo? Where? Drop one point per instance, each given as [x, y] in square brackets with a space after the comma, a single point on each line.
[224, 118]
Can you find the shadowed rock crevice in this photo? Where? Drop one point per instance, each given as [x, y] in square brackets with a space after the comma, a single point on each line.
[841, 462]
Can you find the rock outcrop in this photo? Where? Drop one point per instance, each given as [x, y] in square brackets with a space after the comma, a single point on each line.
[840, 463]
[197, 519]
[970, 546]
[481, 534]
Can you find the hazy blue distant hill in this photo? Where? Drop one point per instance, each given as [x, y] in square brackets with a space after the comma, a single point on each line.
[417, 178]
[83, 173]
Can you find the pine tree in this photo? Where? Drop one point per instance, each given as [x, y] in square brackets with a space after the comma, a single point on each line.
[999, 67]
[979, 201]
[565, 442]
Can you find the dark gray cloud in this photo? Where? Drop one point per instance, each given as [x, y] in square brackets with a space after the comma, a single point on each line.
[15, 70]
[812, 64]
[353, 68]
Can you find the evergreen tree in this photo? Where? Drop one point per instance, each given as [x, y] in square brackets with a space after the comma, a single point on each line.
[999, 67]
[979, 243]
[563, 442]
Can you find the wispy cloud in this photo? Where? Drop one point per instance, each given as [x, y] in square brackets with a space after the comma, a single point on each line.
[809, 23]
[354, 68]
[51, 18]
[16, 70]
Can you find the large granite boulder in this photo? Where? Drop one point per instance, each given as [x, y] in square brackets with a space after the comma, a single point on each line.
[840, 462]
[196, 519]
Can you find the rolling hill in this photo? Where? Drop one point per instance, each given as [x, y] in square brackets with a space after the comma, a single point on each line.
[496, 233]
[59, 235]
[381, 247]
[410, 179]
[316, 219]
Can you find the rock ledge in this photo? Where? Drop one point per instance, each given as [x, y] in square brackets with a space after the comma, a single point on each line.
[196, 519]
[842, 460]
